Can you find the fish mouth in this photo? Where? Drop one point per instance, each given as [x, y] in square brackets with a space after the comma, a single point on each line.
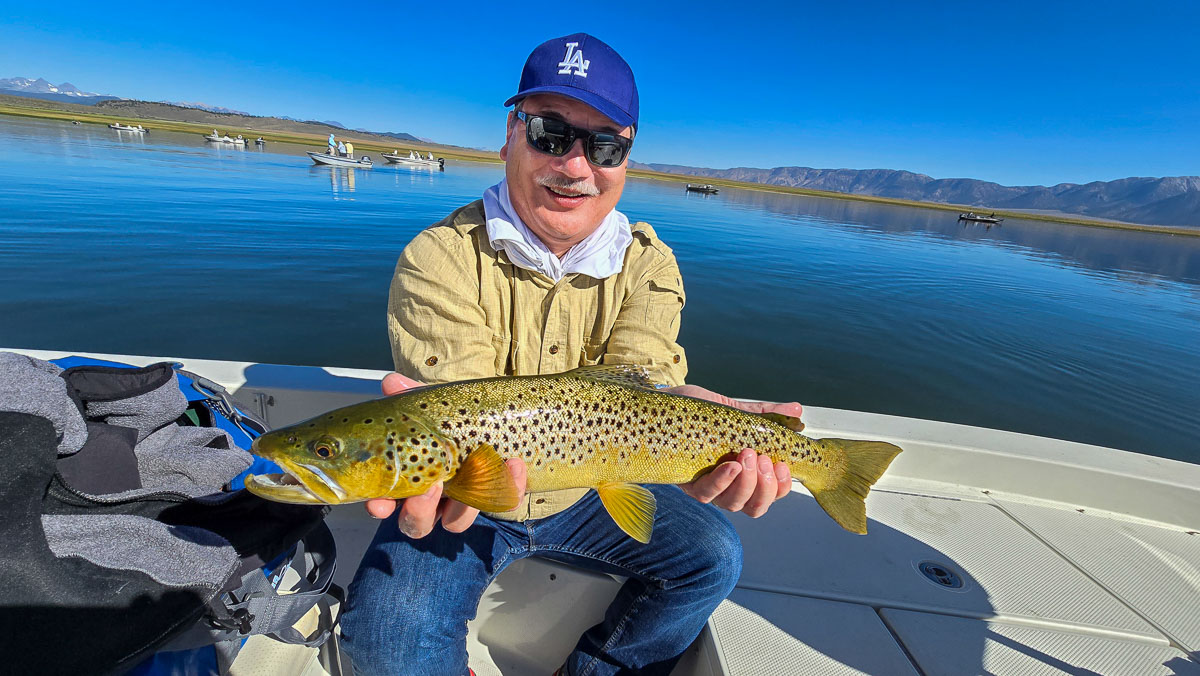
[300, 484]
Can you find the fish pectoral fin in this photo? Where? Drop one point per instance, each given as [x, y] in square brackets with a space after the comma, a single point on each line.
[631, 506]
[630, 375]
[791, 422]
[483, 482]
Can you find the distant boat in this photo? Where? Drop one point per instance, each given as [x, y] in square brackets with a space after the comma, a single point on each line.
[124, 127]
[707, 189]
[259, 141]
[414, 159]
[74, 121]
[972, 216]
[215, 138]
[363, 162]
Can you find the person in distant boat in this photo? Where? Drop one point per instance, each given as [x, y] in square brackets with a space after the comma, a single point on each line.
[350, 150]
[332, 144]
[544, 275]
[341, 149]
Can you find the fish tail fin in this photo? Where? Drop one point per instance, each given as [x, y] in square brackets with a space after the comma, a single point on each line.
[843, 497]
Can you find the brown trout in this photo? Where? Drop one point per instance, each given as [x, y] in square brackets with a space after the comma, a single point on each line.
[601, 427]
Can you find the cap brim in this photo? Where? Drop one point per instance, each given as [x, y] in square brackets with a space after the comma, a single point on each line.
[605, 107]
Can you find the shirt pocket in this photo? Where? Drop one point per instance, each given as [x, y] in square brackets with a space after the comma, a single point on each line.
[592, 352]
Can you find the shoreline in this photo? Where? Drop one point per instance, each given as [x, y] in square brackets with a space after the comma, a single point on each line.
[460, 154]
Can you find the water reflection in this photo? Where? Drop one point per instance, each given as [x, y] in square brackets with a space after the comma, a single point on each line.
[1123, 253]
[341, 180]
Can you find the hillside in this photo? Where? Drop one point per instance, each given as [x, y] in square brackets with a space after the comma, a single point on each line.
[1160, 201]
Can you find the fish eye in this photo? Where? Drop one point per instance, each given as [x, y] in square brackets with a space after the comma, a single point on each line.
[325, 447]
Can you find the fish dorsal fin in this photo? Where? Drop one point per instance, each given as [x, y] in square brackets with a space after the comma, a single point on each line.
[629, 375]
[631, 506]
[483, 482]
[791, 422]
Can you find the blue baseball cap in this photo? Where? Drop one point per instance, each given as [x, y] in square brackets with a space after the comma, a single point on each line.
[583, 68]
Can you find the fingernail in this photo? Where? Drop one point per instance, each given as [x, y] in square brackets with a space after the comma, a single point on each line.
[748, 461]
[781, 472]
[764, 466]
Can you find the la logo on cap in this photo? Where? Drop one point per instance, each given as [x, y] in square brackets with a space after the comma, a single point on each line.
[573, 59]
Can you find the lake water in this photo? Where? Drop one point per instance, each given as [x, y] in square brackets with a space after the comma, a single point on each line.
[165, 245]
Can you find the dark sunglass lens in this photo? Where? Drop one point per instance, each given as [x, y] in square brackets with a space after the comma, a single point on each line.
[549, 136]
[606, 151]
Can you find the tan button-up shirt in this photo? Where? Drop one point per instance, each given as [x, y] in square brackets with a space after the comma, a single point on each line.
[458, 310]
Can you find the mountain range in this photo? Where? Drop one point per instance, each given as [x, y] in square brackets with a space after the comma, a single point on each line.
[42, 89]
[1174, 200]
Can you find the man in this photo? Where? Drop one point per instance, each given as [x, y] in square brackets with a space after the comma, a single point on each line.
[541, 276]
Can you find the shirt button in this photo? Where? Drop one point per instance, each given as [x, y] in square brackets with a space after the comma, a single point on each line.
[539, 501]
[675, 359]
[553, 349]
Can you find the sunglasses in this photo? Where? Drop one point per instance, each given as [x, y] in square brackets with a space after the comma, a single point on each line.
[555, 137]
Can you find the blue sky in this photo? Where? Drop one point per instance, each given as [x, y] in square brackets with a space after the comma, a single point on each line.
[1017, 92]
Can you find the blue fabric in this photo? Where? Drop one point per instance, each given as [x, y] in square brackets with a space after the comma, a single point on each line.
[584, 68]
[410, 601]
[195, 662]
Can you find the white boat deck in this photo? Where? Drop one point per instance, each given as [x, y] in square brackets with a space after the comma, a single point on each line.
[1055, 558]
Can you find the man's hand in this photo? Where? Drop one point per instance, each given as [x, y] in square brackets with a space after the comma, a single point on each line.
[420, 513]
[750, 483]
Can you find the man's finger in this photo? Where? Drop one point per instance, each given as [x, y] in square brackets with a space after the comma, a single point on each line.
[520, 473]
[457, 517]
[419, 513]
[734, 498]
[764, 490]
[783, 480]
[381, 508]
[394, 383]
[714, 483]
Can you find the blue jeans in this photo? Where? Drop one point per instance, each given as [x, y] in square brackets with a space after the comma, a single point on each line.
[410, 601]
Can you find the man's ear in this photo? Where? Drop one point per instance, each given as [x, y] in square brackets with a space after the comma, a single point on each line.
[512, 124]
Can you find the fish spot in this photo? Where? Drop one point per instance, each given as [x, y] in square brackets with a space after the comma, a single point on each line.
[390, 455]
[368, 421]
[388, 421]
[345, 420]
[416, 479]
[413, 458]
[424, 405]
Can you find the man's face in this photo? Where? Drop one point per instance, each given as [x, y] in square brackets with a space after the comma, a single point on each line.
[561, 199]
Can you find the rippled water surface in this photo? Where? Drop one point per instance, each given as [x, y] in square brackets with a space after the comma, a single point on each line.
[162, 245]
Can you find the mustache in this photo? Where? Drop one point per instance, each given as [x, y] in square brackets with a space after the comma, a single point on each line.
[578, 186]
